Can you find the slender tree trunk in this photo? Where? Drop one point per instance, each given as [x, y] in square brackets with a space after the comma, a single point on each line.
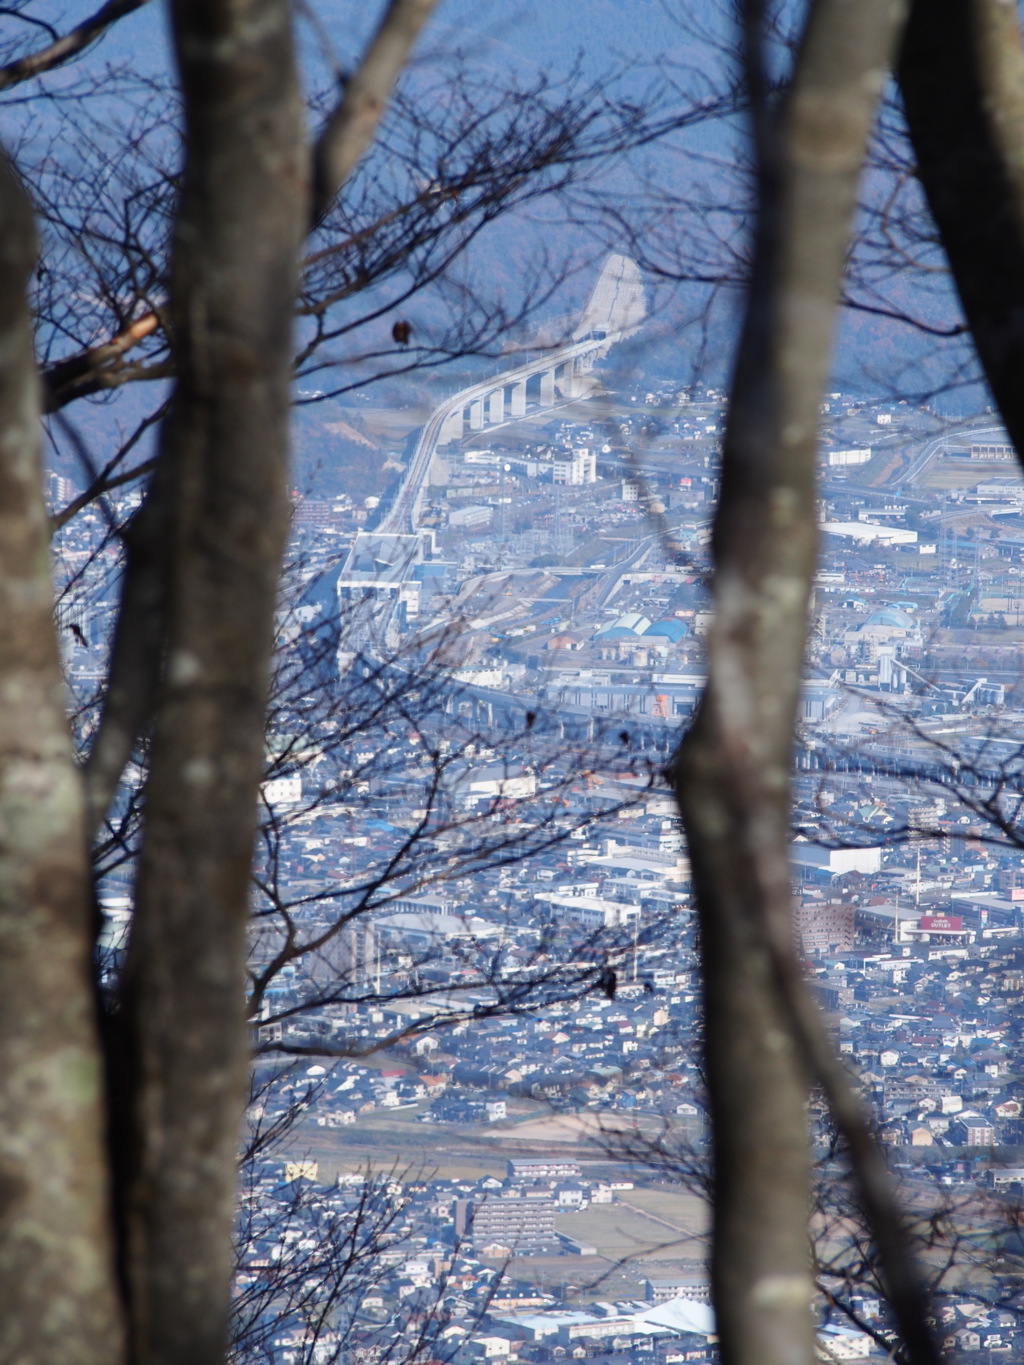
[732, 774]
[58, 1299]
[961, 73]
[240, 225]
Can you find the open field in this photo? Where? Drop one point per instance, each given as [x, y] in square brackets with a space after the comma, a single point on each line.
[593, 1129]
[587, 1279]
[387, 424]
[420, 1164]
[446, 1151]
[584, 1128]
[385, 1138]
[676, 1207]
[632, 1243]
[380, 1143]
[583, 1279]
[885, 466]
[627, 1230]
[617, 1231]
[946, 472]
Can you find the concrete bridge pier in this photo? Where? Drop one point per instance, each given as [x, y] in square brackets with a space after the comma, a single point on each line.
[571, 384]
[451, 428]
[476, 415]
[496, 406]
[517, 406]
[547, 388]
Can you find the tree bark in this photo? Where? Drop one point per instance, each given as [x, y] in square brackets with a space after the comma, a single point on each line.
[57, 1284]
[732, 773]
[240, 226]
[961, 74]
[136, 656]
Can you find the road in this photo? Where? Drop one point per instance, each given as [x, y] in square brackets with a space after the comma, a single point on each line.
[921, 462]
[403, 515]
[615, 310]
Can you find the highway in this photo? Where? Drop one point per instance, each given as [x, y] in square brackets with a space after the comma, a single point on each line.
[403, 515]
[941, 443]
[614, 311]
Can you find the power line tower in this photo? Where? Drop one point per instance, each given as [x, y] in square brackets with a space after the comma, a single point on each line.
[503, 501]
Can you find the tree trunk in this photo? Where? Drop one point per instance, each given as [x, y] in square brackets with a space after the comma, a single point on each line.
[240, 225]
[57, 1285]
[961, 73]
[732, 773]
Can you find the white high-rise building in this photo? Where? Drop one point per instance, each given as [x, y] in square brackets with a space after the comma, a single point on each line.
[575, 467]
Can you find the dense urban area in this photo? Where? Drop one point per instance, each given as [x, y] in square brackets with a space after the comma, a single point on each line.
[485, 1067]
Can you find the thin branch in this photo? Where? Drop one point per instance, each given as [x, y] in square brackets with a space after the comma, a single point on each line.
[106, 479]
[348, 132]
[71, 45]
[904, 1287]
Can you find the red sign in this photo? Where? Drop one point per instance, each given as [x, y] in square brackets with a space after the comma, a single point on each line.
[949, 923]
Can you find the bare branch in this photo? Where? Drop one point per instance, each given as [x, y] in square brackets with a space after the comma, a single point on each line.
[63, 49]
[350, 129]
[92, 370]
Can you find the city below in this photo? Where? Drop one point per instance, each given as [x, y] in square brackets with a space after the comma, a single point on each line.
[495, 1027]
